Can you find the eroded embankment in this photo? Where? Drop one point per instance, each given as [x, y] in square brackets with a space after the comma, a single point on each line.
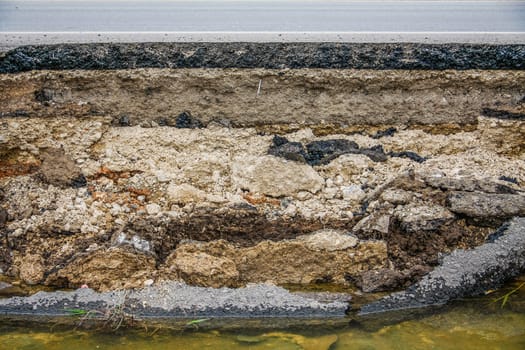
[121, 178]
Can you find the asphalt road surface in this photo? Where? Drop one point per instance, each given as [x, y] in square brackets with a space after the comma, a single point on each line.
[262, 16]
[76, 21]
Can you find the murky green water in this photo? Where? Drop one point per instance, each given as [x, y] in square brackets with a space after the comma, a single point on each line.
[470, 324]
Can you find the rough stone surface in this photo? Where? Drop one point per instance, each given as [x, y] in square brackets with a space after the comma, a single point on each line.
[329, 240]
[380, 280]
[31, 268]
[464, 273]
[184, 194]
[468, 184]
[397, 196]
[485, 205]
[131, 169]
[274, 177]
[202, 269]
[299, 261]
[59, 170]
[175, 299]
[105, 270]
[423, 218]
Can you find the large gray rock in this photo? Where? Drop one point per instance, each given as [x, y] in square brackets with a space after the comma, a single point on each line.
[486, 205]
[467, 184]
[423, 218]
[464, 273]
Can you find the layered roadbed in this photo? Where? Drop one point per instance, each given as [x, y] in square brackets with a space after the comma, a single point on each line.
[216, 171]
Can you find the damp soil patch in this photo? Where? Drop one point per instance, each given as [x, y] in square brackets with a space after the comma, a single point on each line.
[242, 227]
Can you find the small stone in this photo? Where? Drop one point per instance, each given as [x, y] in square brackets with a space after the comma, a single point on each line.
[124, 120]
[31, 268]
[287, 150]
[353, 193]
[381, 280]
[203, 269]
[148, 282]
[186, 120]
[303, 195]
[60, 170]
[423, 218]
[339, 180]
[4, 285]
[374, 223]
[153, 208]
[382, 224]
[44, 95]
[106, 269]
[467, 184]
[184, 193]
[163, 177]
[3, 217]
[213, 198]
[397, 196]
[330, 192]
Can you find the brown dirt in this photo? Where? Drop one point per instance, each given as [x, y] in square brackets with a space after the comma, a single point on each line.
[228, 96]
[163, 188]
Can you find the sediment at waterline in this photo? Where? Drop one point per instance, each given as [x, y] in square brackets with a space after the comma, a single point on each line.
[176, 300]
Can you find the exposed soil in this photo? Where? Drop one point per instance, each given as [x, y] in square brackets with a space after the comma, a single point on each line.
[123, 178]
[329, 101]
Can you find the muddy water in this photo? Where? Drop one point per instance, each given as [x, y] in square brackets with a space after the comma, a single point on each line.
[478, 323]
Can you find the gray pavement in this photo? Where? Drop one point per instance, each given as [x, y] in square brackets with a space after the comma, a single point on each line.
[46, 22]
[262, 16]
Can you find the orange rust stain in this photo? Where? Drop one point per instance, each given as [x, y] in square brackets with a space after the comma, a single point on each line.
[256, 199]
[139, 191]
[114, 175]
[8, 169]
[121, 198]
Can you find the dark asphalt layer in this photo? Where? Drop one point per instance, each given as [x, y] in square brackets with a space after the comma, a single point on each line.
[264, 55]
